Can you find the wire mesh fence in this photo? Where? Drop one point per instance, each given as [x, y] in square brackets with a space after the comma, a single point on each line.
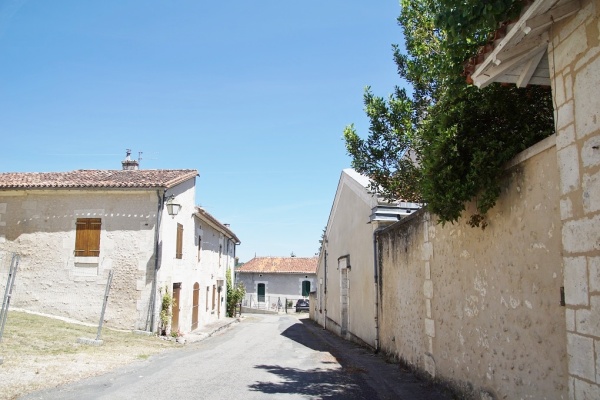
[55, 293]
[270, 303]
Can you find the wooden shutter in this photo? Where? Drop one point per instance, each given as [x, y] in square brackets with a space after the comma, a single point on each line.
[87, 237]
[179, 250]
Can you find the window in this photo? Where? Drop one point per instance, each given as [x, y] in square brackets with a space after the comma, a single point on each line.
[199, 247]
[220, 252]
[207, 293]
[214, 298]
[179, 249]
[87, 237]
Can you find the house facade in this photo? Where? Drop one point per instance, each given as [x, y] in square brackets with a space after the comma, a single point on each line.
[269, 281]
[345, 301]
[71, 228]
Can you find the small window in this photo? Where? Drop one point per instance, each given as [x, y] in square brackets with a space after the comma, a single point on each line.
[207, 293]
[87, 237]
[199, 247]
[214, 297]
[179, 249]
[220, 252]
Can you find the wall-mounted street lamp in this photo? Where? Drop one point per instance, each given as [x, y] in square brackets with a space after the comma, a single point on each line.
[172, 207]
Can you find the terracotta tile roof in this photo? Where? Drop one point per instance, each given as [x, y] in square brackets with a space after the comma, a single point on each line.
[147, 178]
[282, 265]
[517, 51]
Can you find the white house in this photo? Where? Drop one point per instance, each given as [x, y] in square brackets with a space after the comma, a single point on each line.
[345, 301]
[71, 228]
[269, 281]
[216, 246]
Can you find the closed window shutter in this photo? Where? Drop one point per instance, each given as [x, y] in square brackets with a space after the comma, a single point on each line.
[87, 237]
[179, 250]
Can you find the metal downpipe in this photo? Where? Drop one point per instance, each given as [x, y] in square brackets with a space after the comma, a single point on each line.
[376, 278]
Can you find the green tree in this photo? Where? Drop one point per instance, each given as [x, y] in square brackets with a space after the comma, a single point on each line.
[234, 294]
[447, 143]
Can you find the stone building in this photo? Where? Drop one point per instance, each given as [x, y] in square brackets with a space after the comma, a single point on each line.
[269, 281]
[345, 300]
[71, 228]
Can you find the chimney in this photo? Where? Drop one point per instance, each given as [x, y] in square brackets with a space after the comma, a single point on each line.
[128, 163]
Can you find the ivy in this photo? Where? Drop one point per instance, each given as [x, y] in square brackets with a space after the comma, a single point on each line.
[447, 143]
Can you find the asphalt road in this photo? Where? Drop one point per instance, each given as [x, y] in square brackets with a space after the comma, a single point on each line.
[264, 356]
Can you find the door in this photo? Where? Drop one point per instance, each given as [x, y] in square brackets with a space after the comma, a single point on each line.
[176, 308]
[195, 306]
[260, 291]
[305, 288]
[344, 299]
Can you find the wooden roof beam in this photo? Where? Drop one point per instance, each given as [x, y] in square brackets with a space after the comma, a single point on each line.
[530, 68]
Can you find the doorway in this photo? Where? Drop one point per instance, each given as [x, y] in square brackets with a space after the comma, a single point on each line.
[176, 308]
[260, 291]
[195, 303]
[344, 300]
[305, 288]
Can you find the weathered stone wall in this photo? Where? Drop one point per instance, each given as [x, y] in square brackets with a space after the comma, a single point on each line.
[574, 55]
[402, 305]
[483, 306]
[40, 226]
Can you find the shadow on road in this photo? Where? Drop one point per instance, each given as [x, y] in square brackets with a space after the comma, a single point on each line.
[346, 382]
[300, 333]
[321, 383]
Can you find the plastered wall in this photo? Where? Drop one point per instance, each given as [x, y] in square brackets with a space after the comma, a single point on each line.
[349, 234]
[481, 308]
[277, 286]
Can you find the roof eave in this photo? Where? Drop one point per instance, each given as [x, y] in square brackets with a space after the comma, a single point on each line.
[524, 46]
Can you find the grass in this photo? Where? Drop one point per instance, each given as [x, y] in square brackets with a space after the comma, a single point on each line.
[40, 352]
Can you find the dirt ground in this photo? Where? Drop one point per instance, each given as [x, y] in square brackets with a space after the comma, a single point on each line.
[38, 352]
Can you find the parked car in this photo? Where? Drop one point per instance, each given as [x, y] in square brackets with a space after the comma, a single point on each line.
[302, 305]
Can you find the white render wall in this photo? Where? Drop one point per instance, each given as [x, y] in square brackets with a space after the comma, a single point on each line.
[574, 55]
[277, 286]
[348, 233]
[206, 270]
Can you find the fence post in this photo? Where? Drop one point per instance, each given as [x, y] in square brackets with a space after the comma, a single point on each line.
[12, 272]
[106, 291]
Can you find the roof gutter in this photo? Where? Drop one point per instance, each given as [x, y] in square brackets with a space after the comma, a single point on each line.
[152, 305]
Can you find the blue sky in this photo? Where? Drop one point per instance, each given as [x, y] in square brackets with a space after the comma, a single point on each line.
[253, 94]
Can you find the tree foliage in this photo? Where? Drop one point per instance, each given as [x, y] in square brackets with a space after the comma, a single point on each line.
[447, 143]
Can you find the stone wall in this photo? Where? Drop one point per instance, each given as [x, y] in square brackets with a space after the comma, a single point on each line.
[481, 308]
[40, 226]
[574, 55]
